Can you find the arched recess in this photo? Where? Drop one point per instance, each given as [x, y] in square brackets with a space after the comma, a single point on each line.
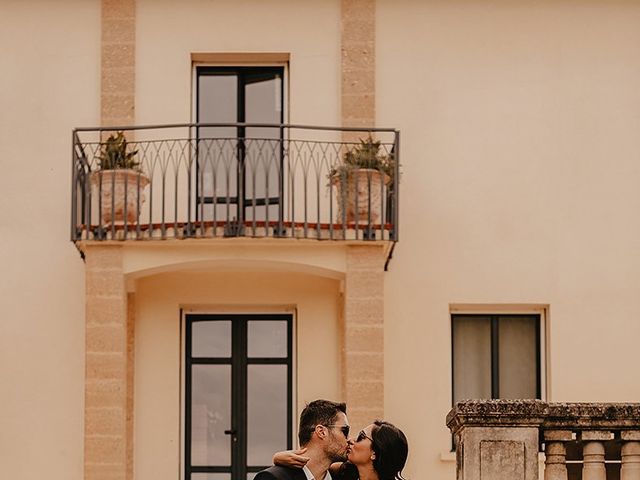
[328, 261]
[313, 294]
[236, 265]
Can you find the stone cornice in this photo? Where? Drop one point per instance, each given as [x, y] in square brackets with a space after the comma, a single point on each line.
[593, 415]
[537, 413]
[508, 413]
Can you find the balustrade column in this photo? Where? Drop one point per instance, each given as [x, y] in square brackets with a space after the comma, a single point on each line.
[555, 466]
[630, 455]
[593, 454]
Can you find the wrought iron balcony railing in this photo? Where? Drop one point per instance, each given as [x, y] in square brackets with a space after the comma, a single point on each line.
[230, 180]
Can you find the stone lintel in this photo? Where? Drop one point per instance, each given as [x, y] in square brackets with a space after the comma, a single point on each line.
[630, 435]
[558, 435]
[596, 435]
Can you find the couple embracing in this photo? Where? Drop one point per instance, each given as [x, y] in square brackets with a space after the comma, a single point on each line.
[378, 452]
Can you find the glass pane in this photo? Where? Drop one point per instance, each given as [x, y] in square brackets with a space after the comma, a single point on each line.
[218, 98]
[267, 339]
[267, 412]
[263, 104]
[251, 475]
[261, 213]
[518, 359]
[210, 415]
[472, 358]
[210, 476]
[217, 146]
[217, 163]
[262, 166]
[211, 339]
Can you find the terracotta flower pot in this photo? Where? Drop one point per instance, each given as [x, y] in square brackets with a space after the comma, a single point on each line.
[111, 186]
[367, 186]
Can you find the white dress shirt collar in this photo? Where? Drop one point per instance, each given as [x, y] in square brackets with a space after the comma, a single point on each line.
[310, 476]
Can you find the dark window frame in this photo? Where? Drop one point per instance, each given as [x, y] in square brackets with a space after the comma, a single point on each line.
[242, 73]
[239, 361]
[495, 349]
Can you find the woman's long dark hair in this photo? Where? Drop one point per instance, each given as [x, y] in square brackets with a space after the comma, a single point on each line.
[391, 449]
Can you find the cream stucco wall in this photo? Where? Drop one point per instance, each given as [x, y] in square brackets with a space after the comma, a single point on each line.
[315, 302]
[49, 83]
[520, 150]
[168, 32]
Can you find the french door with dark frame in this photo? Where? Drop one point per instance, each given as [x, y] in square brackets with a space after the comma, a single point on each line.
[240, 169]
[238, 393]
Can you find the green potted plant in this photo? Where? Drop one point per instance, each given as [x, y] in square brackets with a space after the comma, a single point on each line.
[118, 176]
[361, 178]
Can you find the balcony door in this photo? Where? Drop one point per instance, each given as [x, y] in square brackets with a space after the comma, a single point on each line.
[238, 394]
[240, 174]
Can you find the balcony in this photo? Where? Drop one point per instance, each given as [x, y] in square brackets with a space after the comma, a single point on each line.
[500, 440]
[234, 180]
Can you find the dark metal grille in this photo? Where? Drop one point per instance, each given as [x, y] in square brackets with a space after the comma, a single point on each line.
[191, 184]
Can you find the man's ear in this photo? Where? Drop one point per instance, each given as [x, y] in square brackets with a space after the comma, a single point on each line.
[320, 432]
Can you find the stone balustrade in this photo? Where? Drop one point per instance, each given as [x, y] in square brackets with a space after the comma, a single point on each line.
[500, 440]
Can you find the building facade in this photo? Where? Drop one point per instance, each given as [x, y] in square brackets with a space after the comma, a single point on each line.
[185, 340]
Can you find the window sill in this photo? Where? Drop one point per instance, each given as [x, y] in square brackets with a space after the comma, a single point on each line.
[448, 457]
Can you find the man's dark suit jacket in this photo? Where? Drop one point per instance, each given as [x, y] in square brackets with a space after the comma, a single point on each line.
[281, 473]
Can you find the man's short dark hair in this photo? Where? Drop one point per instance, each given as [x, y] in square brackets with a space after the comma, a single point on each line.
[318, 412]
